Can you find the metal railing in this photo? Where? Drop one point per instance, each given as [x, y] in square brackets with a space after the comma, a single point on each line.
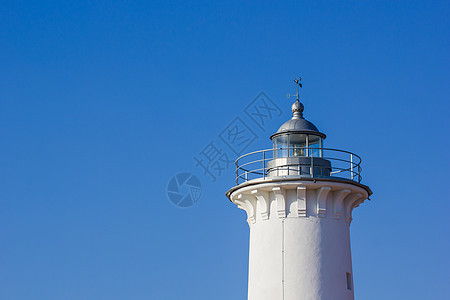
[256, 165]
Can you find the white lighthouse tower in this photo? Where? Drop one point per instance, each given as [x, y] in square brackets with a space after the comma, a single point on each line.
[299, 197]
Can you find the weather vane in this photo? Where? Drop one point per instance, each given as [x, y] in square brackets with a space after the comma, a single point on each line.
[299, 85]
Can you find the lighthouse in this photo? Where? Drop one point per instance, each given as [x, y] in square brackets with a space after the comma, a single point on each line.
[299, 197]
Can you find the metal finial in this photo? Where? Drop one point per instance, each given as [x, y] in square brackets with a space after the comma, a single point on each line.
[298, 81]
[299, 85]
[297, 107]
[297, 110]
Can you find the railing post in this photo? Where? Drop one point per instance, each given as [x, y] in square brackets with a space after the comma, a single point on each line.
[264, 164]
[237, 171]
[321, 148]
[351, 166]
[246, 178]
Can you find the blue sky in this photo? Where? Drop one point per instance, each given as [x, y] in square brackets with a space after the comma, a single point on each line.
[101, 103]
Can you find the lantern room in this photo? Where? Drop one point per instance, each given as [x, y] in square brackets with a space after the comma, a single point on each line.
[298, 137]
[298, 148]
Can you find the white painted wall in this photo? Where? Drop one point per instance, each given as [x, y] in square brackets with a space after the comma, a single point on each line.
[299, 239]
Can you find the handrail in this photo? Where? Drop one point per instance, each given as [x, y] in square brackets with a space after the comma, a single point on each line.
[286, 148]
[339, 164]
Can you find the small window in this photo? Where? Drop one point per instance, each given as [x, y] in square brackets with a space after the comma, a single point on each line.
[349, 281]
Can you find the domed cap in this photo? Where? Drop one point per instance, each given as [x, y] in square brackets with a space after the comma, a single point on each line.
[297, 109]
[298, 124]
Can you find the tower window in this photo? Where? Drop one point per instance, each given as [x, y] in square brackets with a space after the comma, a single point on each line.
[349, 281]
